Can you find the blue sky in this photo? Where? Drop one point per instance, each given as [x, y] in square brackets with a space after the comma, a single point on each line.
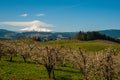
[64, 15]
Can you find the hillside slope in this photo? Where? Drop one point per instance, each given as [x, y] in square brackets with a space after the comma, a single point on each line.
[6, 34]
[113, 33]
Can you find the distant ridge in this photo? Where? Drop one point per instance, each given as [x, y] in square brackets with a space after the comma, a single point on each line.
[112, 33]
[6, 34]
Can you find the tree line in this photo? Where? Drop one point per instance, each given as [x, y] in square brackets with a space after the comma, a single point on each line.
[85, 36]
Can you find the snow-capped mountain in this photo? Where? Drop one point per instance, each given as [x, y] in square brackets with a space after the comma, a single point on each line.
[37, 26]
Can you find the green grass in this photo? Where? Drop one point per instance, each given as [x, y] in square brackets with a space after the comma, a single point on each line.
[19, 70]
[93, 45]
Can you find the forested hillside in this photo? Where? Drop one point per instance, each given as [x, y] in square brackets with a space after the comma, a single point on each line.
[94, 36]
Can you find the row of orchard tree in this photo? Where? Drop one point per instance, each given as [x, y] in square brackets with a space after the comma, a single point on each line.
[103, 65]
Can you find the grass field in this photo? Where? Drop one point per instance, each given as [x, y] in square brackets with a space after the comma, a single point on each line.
[19, 70]
[93, 45]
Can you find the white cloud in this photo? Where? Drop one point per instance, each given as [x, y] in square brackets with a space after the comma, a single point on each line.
[24, 15]
[35, 25]
[27, 24]
[40, 14]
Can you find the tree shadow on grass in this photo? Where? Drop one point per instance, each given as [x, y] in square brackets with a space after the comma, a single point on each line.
[63, 78]
[69, 71]
[0, 78]
[67, 77]
[13, 61]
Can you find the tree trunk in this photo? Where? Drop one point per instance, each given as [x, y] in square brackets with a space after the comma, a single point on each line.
[54, 75]
[49, 74]
[49, 70]
[24, 58]
[0, 57]
[10, 58]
